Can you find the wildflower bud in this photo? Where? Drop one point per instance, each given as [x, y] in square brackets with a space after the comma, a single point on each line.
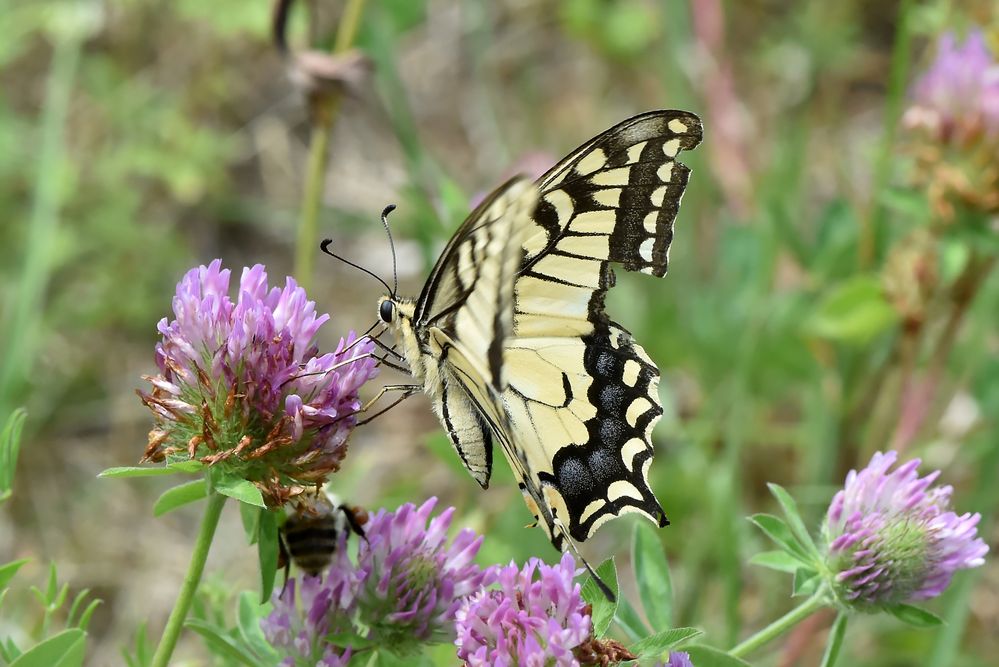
[891, 538]
[910, 276]
[525, 621]
[242, 386]
[954, 118]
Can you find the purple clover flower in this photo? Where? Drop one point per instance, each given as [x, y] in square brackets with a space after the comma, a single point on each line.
[525, 621]
[678, 659]
[892, 538]
[242, 385]
[301, 620]
[412, 580]
[957, 98]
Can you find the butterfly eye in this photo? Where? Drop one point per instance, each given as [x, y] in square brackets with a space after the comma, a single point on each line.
[386, 311]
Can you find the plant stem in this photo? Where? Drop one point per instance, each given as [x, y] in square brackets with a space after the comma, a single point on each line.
[213, 510]
[963, 293]
[782, 624]
[835, 642]
[324, 108]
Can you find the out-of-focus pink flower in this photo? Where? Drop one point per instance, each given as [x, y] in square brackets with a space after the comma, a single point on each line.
[957, 98]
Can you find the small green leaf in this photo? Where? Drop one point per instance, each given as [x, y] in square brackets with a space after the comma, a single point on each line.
[147, 471]
[249, 613]
[75, 607]
[910, 202]
[250, 516]
[706, 656]
[603, 609]
[655, 587]
[180, 495]
[778, 531]
[135, 471]
[241, 490]
[954, 257]
[10, 447]
[8, 650]
[186, 466]
[143, 649]
[221, 644]
[915, 616]
[8, 570]
[777, 560]
[267, 552]
[51, 652]
[853, 312]
[52, 586]
[88, 614]
[835, 642]
[656, 644]
[806, 582]
[793, 517]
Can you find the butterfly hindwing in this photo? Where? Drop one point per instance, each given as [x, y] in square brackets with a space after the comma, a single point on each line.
[585, 437]
[583, 395]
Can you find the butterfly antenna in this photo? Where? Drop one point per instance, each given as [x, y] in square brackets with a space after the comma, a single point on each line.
[395, 274]
[325, 247]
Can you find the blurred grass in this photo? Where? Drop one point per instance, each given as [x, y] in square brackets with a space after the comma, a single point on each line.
[165, 136]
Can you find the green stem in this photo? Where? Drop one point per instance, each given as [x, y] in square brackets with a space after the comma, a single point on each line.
[835, 642]
[324, 109]
[782, 624]
[213, 510]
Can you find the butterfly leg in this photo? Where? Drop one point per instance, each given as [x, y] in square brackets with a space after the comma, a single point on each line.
[406, 389]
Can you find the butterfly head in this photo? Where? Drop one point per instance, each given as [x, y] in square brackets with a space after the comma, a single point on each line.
[392, 309]
[397, 315]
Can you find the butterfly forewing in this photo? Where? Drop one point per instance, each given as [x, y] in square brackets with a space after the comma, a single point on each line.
[616, 196]
[463, 318]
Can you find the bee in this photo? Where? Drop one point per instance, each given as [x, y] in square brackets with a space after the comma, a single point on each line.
[312, 529]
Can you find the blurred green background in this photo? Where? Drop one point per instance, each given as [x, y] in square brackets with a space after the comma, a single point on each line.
[140, 138]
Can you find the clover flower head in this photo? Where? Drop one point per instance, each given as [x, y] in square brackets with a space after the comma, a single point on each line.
[307, 610]
[954, 130]
[892, 538]
[242, 385]
[525, 621]
[414, 578]
[957, 97]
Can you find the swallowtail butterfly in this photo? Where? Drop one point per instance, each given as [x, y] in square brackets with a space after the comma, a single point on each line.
[510, 340]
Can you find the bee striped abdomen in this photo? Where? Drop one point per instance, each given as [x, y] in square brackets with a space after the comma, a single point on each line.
[311, 541]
